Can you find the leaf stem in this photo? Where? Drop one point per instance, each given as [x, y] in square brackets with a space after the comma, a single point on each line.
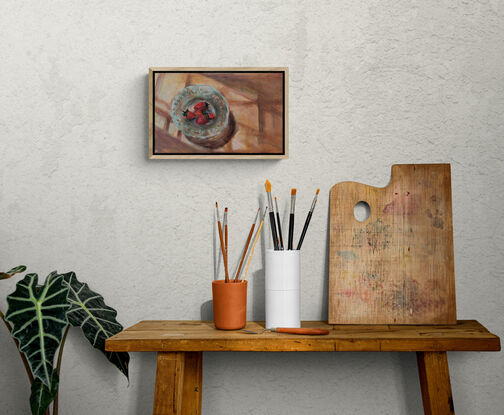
[23, 357]
[58, 368]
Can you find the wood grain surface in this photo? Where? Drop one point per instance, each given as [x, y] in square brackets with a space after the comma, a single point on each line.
[178, 383]
[397, 266]
[168, 393]
[435, 383]
[198, 336]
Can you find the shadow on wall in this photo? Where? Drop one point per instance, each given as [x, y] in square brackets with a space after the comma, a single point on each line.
[258, 299]
[206, 311]
[145, 381]
[339, 381]
[324, 311]
[410, 384]
[145, 124]
[258, 302]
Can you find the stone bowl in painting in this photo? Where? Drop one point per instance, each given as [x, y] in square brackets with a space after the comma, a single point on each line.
[187, 98]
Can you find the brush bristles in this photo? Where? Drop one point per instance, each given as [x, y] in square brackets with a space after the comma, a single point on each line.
[225, 210]
[318, 190]
[293, 192]
[275, 198]
[268, 186]
[216, 205]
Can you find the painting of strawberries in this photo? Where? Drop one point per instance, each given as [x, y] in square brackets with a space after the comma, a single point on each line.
[218, 113]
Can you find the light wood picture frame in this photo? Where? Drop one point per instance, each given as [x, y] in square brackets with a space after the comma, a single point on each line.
[218, 113]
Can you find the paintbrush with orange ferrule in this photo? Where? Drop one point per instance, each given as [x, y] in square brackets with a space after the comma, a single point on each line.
[247, 245]
[307, 222]
[280, 238]
[267, 185]
[291, 219]
[223, 248]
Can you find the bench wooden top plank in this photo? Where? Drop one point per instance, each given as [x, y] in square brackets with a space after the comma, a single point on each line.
[195, 336]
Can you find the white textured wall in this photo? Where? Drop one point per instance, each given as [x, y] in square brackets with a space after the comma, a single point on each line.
[372, 83]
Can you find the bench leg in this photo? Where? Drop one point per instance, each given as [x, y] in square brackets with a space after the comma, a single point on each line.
[178, 383]
[193, 383]
[435, 383]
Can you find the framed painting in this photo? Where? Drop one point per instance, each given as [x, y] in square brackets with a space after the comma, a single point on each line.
[218, 113]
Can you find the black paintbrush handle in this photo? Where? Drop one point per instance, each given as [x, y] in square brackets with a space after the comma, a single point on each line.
[291, 230]
[305, 228]
[273, 230]
[280, 231]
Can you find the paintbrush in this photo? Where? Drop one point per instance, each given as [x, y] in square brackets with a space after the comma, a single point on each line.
[225, 224]
[267, 185]
[291, 219]
[254, 244]
[247, 245]
[307, 222]
[223, 248]
[280, 238]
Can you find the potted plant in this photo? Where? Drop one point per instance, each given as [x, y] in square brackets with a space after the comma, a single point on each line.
[39, 316]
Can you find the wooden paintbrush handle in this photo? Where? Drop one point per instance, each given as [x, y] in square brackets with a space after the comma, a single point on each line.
[314, 332]
[245, 251]
[223, 248]
[226, 240]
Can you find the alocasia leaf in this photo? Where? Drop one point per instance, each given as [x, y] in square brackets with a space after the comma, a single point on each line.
[96, 319]
[17, 270]
[38, 316]
[42, 396]
[13, 271]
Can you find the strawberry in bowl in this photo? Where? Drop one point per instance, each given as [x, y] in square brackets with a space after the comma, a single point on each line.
[200, 111]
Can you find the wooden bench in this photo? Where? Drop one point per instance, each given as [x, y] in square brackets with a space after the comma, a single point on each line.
[180, 344]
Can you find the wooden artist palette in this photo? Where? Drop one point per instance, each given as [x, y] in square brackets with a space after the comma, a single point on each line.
[396, 267]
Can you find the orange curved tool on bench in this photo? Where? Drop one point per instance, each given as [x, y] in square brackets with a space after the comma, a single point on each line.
[292, 330]
[314, 332]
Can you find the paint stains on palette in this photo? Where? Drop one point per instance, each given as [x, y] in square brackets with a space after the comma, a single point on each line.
[402, 204]
[375, 235]
[361, 290]
[437, 219]
[348, 255]
[404, 297]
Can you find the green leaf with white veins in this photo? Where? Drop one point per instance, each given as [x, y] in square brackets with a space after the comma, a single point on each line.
[96, 319]
[38, 316]
[13, 271]
[41, 396]
[17, 270]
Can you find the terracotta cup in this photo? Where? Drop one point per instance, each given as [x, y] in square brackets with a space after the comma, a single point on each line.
[229, 304]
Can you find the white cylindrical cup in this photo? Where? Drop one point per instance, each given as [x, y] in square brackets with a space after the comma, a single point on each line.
[282, 283]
